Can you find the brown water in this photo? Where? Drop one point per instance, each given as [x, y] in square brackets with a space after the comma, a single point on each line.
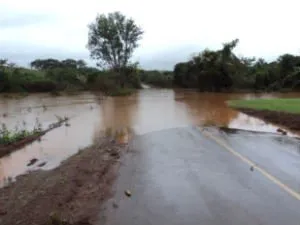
[92, 117]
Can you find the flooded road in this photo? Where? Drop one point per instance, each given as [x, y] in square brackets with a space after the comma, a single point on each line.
[92, 116]
[195, 176]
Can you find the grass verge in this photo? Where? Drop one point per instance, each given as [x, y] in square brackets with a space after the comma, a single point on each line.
[291, 105]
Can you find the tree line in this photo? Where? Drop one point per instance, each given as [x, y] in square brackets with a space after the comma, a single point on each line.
[112, 40]
[53, 75]
[44, 64]
[222, 70]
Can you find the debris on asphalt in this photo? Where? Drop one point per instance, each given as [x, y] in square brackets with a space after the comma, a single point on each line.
[115, 205]
[279, 130]
[128, 193]
[2, 212]
[32, 161]
[42, 164]
[252, 168]
[115, 154]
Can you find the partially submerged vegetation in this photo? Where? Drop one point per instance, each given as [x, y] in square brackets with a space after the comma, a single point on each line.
[11, 140]
[11, 136]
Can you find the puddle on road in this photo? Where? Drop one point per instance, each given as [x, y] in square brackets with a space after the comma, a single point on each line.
[120, 117]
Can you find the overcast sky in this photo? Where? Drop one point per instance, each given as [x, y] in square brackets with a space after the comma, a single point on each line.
[174, 29]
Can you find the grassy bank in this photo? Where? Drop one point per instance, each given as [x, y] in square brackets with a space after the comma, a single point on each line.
[278, 105]
[282, 112]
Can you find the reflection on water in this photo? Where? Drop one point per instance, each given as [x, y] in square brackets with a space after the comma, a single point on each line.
[92, 117]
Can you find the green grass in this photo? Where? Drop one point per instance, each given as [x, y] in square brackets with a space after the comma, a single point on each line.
[12, 136]
[9, 137]
[291, 105]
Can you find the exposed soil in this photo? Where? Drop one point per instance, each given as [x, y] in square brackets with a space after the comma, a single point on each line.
[71, 193]
[288, 120]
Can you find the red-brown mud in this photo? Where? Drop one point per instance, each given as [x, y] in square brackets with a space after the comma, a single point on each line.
[69, 194]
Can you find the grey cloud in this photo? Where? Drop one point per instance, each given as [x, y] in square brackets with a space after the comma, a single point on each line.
[25, 19]
[166, 59]
[23, 53]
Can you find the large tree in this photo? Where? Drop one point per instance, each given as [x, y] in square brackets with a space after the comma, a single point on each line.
[112, 40]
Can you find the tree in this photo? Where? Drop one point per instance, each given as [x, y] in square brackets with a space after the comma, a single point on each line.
[11, 65]
[227, 49]
[112, 40]
[3, 75]
[69, 63]
[180, 72]
[3, 62]
[81, 64]
[43, 64]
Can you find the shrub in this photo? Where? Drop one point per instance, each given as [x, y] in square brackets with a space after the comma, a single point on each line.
[157, 78]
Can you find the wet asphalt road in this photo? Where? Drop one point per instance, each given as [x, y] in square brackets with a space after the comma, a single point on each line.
[189, 177]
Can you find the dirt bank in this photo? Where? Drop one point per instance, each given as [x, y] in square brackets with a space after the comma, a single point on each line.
[72, 192]
[288, 120]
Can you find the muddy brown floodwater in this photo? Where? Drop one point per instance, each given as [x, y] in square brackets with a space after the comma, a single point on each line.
[92, 116]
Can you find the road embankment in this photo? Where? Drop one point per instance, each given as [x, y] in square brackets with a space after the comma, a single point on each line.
[69, 194]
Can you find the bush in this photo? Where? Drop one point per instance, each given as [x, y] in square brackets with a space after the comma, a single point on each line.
[157, 78]
[69, 78]
[40, 86]
[103, 82]
[111, 83]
